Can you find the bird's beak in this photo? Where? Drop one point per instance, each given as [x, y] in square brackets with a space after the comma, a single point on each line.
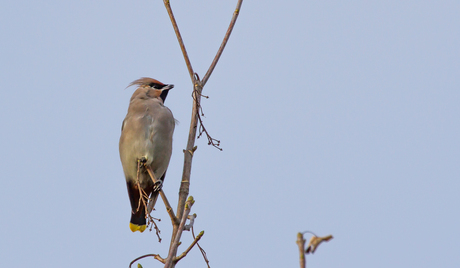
[167, 87]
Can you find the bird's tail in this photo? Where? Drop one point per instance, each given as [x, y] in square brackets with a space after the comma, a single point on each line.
[138, 222]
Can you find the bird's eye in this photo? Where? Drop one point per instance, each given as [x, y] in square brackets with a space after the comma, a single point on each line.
[156, 86]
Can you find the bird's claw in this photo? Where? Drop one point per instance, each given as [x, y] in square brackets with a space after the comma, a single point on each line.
[157, 186]
[143, 160]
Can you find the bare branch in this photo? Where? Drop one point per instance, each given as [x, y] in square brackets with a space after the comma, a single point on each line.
[152, 222]
[175, 244]
[169, 209]
[312, 245]
[301, 244]
[179, 38]
[156, 256]
[315, 241]
[188, 153]
[197, 89]
[183, 208]
[190, 247]
[201, 249]
[202, 129]
[224, 42]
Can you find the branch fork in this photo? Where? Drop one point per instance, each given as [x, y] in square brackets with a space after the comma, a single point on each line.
[185, 202]
[312, 245]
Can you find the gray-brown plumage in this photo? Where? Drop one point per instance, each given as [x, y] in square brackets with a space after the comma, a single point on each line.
[146, 134]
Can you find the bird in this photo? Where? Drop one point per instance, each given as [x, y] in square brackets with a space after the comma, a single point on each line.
[146, 142]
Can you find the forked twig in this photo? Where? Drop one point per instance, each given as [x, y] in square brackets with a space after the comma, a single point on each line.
[202, 129]
[312, 245]
[183, 207]
[157, 230]
[198, 87]
[176, 242]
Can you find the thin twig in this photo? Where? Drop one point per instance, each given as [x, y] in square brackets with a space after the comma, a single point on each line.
[179, 38]
[169, 209]
[142, 199]
[157, 257]
[202, 250]
[200, 113]
[157, 230]
[211, 141]
[224, 42]
[310, 232]
[178, 258]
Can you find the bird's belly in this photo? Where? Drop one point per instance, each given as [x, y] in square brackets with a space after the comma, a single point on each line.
[156, 150]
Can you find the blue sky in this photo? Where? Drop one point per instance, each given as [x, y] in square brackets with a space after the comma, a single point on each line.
[336, 117]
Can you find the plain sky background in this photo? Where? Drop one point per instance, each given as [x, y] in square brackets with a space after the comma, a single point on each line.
[338, 117]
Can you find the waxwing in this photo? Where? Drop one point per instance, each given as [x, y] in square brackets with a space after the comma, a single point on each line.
[146, 140]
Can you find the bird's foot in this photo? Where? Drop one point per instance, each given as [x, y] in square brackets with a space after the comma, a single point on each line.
[158, 185]
[143, 160]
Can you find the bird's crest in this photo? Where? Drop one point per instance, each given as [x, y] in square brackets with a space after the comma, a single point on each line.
[144, 81]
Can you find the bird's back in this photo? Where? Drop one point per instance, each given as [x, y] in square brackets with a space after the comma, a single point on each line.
[146, 132]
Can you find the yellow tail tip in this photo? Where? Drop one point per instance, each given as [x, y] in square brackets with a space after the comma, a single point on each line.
[135, 227]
